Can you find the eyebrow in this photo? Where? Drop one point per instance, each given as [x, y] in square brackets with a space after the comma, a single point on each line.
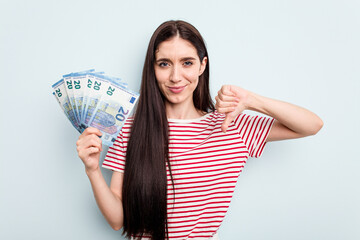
[182, 59]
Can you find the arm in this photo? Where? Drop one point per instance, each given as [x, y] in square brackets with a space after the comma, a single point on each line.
[291, 121]
[109, 199]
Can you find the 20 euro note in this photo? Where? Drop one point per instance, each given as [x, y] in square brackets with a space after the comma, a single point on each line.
[95, 89]
[79, 82]
[74, 91]
[112, 110]
[87, 84]
[63, 99]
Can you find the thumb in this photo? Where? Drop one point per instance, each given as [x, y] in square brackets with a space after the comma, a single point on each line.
[227, 90]
[228, 119]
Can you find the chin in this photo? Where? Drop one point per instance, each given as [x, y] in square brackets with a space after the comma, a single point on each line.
[174, 99]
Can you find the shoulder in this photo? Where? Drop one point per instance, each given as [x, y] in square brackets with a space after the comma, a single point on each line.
[212, 120]
[215, 117]
[129, 121]
[126, 128]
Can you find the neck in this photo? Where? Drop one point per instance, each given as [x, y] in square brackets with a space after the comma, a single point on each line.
[182, 111]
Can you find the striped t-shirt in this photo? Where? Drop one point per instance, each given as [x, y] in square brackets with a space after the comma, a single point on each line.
[205, 164]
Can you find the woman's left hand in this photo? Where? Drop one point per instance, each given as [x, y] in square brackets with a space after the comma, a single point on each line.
[231, 100]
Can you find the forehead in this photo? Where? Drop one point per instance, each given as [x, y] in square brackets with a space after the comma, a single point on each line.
[175, 48]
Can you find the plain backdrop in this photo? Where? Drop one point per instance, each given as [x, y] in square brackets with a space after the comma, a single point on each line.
[304, 52]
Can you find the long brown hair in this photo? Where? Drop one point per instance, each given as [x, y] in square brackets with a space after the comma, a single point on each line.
[145, 178]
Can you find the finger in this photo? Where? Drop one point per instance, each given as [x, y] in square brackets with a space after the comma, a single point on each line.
[89, 141]
[92, 150]
[89, 131]
[85, 153]
[226, 90]
[226, 123]
[88, 152]
[85, 138]
[222, 104]
[226, 98]
[94, 141]
[92, 130]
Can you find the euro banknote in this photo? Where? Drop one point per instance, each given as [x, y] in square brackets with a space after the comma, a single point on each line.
[94, 99]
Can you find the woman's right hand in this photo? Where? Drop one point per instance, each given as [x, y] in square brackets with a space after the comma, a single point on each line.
[89, 147]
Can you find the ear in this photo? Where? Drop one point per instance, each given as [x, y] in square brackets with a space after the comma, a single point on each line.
[203, 66]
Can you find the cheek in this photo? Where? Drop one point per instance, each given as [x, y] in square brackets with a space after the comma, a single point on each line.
[161, 76]
[160, 80]
[192, 76]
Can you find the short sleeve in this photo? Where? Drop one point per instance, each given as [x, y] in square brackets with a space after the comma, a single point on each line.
[253, 131]
[116, 155]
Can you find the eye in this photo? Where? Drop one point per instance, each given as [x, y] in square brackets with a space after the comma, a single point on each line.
[163, 64]
[188, 63]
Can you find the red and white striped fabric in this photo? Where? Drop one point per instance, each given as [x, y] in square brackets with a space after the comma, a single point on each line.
[205, 164]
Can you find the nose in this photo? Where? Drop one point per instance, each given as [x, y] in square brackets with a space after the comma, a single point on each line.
[175, 74]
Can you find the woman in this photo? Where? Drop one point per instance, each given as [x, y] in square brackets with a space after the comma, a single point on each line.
[184, 154]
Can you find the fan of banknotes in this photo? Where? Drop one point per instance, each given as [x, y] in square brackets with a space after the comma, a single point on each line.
[93, 99]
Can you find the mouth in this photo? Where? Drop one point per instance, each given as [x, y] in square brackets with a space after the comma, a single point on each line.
[176, 89]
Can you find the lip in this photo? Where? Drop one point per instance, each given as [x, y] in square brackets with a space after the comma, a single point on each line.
[176, 89]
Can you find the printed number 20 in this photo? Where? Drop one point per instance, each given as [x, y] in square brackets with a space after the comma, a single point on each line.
[58, 92]
[120, 116]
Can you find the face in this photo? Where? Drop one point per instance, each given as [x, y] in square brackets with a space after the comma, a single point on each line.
[177, 70]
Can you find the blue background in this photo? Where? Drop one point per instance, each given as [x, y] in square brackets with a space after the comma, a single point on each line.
[304, 52]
